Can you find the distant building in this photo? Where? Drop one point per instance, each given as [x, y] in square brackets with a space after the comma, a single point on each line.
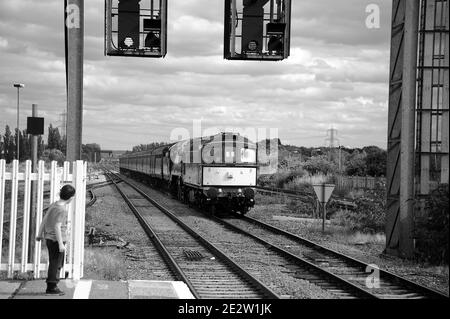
[110, 155]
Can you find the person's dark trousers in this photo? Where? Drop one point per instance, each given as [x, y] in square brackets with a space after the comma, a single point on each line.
[56, 260]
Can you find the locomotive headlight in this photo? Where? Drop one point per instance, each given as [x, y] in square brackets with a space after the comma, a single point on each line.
[128, 42]
[220, 190]
[240, 190]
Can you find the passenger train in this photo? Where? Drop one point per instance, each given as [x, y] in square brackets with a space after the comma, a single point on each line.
[215, 172]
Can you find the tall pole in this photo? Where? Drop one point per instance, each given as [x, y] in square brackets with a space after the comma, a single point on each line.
[18, 86]
[34, 159]
[74, 34]
[17, 132]
[406, 243]
[324, 210]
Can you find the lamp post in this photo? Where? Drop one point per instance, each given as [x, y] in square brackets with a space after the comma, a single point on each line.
[18, 86]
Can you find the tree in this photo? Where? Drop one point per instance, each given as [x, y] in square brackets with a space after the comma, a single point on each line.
[319, 164]
[375, 161]
[147, 147]
[356, 164]
[24, 146]
[8, 145]
[54, 140]
[41, 146]
[53, 155]
[64, 144]
[91, 152]
[1, 147]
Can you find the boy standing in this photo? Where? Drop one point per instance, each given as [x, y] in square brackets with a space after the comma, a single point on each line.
[54, 230]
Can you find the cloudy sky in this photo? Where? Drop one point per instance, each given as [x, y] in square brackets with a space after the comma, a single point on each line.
[337, 75]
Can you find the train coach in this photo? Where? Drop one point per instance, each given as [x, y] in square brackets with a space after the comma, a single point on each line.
[215, 172]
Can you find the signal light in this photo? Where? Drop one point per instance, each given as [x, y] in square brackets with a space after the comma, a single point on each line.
[136, 28]
[257, 29]
[252, 45]
[128, 23]
[275, 28]
[275, 44]
[128, 42]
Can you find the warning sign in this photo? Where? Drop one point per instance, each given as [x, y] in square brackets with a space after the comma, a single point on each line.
[323, 191]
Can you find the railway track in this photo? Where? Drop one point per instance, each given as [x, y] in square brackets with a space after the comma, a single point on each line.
[306, 196]
[343, 276]
[297, 267]
[207, 271]
[385, 285]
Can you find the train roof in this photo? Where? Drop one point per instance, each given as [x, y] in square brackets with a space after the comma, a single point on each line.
[227, 136]
[155, 151]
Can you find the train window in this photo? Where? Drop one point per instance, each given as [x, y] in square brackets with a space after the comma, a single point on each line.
[248, 155]
[230, 157]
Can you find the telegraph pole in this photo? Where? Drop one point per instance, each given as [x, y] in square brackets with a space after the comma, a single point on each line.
[74, 42]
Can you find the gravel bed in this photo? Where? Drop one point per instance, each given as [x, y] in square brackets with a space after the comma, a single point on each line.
[370, 252]
[119, 233]
[268, 267]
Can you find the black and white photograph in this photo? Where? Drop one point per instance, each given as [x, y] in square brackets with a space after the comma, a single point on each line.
[224, 158]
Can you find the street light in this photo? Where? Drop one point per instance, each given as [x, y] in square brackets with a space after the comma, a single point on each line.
[18, 86]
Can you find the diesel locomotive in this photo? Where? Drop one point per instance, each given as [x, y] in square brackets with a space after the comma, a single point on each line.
[214, 172]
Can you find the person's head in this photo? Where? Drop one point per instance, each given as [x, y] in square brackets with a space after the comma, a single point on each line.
[67, 192]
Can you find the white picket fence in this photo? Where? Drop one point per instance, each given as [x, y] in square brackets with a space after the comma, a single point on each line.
[55, 178]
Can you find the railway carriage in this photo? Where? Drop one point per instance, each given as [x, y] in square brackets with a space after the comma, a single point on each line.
[218, 171]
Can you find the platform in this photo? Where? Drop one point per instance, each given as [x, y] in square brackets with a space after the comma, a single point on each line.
[97, 289]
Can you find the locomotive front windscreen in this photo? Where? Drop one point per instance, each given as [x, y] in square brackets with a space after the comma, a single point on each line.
[248, 155]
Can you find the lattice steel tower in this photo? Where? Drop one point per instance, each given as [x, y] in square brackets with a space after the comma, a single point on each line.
[418, 128]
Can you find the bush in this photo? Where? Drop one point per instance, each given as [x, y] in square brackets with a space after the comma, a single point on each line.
[319, 165]
[280, 178]
[369, 216]
[432, 228]
[53, 155]
[301, 208]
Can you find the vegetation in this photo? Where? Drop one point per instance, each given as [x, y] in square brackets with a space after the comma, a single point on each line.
[370, 215]
[432, 227]
[103, 265]
[53, 150]
[147, 147]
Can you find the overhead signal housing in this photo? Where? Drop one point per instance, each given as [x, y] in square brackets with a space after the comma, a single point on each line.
[257, 29]
[136, 28]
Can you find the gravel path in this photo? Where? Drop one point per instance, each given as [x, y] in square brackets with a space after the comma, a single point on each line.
[116, 226]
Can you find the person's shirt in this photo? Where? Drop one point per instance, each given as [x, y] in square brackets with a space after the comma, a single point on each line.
[55, 214]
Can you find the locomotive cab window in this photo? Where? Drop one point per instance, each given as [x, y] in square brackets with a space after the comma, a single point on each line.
[229, 157]
[248, 155]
